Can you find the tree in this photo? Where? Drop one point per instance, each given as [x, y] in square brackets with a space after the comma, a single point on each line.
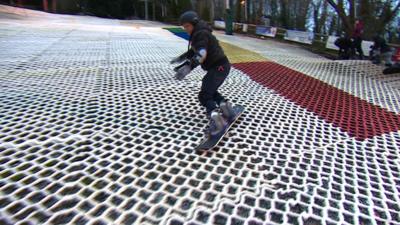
[385, 12]
[274, 12]
[320, 15]
[301, 12]
[292, 14]
[177, 7]
[204, 8]
[238, 12]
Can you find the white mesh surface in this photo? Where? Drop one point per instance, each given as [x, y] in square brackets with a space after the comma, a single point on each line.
[95, 130]
[359, 78]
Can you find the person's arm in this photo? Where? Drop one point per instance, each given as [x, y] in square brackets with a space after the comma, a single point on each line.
[200, 46]
[198, 58]
[199, 50]
[179, 58]
[188, 65]
[187, 55]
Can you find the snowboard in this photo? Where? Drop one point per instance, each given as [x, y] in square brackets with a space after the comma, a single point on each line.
[210, 142]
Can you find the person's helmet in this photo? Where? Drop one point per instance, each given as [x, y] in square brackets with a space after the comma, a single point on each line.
[189, 17]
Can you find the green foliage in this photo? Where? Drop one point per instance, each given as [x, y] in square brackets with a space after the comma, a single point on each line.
[111, 9]
[177, 7]
[238, 12]
[205, 14]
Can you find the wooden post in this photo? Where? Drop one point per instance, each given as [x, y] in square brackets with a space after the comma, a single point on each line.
[146, 9]
[154, 10]
[245, 11]
[212, 11]
[45, 5]
[54, 6]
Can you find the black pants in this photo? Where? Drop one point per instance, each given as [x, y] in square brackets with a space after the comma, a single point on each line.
[357, 47]
[344, 53]
[209, 96]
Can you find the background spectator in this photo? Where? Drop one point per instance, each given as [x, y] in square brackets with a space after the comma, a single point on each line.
[357, 39]
[381, 51]
[344, 44]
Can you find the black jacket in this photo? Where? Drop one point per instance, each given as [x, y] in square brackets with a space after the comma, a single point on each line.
[343, 43]
[203, 38]
[380, 44]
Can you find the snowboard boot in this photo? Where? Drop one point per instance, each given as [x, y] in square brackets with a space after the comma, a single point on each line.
[217, 124]
[227, 111]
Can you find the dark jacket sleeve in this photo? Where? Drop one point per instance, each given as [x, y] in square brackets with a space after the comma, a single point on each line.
[189, 54]
[201, 40]
[186, 55]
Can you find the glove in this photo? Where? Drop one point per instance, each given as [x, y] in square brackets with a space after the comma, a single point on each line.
[180, 58]
[181, 65]
[198, 58]
[192, 63]
[183, 71]
[176, 60]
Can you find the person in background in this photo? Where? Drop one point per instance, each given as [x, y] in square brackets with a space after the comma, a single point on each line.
[344, 44]
[381, 51]
[357, 39]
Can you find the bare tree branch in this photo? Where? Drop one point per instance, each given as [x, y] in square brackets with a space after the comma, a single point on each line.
[392, 13]
[332, 3]
[339, 8]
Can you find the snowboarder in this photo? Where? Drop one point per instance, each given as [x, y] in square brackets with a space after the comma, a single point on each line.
[205, 50]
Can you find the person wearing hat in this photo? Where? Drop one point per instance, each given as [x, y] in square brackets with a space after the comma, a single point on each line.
[204, 50]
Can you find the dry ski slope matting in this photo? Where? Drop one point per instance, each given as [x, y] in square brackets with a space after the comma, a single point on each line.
[95, 130]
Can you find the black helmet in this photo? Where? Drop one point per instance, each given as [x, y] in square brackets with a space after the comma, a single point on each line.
[189, 17]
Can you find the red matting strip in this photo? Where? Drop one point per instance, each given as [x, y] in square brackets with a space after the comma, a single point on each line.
[356, 116]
